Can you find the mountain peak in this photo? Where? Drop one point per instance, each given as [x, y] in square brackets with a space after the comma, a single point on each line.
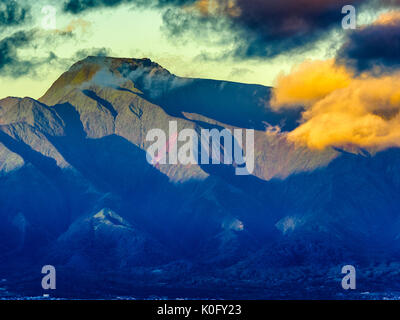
[105, 72]
[109, 217]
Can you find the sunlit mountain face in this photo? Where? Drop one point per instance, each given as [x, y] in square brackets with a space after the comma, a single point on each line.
[200, 149]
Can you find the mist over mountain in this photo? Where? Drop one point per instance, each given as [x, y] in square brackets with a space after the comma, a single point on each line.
[77, 192]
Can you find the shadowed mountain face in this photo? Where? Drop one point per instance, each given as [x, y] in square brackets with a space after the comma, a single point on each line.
[77, 192]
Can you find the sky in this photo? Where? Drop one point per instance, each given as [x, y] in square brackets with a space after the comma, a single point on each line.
[299, 47]
[202, 48]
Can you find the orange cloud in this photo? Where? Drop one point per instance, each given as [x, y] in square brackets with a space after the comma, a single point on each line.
[341, 109]
[308, 83]
[388, 18]
[210, 7]
[74, 25]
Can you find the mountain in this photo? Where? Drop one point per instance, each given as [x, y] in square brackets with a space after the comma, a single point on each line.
[77, 192]
[109, 235]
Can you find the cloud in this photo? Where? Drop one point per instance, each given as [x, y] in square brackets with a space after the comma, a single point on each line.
[98, 52]
[12, 13]
[240, 72]
[375, 47]
[342, 109]
[259, 28]
[10, 63]
[154, 80]
[13, 64]
[19, 49]
[104, 78]
[263, 29]
[268, 28]
[388, 18]
[74, 25]
[247, 28]
[78, 6]
[309, 82]
[352, 100]
[356, 115]
[254, 28]
[185, 25]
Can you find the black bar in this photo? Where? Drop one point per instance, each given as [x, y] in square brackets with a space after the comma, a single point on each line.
[220, 310]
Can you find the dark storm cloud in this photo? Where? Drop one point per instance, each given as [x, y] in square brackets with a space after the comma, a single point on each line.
[261, 28]
[371, 47]
[12, 13]
[273, 27]
[78, 6]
